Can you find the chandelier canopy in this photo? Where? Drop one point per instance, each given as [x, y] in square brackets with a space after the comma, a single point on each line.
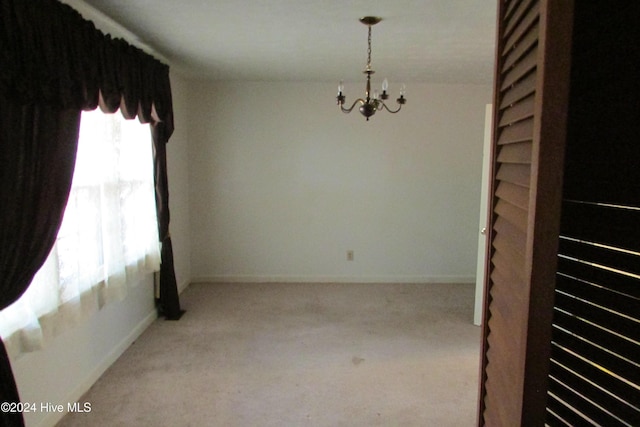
[373, 101]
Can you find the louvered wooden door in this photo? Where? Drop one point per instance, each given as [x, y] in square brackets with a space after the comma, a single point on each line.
[594, 376]
[531, 92]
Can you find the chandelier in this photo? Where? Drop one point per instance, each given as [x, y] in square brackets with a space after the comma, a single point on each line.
[373, 101]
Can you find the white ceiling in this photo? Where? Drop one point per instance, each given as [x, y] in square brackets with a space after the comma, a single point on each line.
[437, 41]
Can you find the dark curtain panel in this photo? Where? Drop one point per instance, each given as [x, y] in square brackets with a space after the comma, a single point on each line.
[161, 130]
[169, 304]
[53, 64]
[37, 154]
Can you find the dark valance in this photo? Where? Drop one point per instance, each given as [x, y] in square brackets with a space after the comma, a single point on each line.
[50, 54]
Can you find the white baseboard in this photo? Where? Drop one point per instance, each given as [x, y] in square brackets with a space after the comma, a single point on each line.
[223, 278]
[183, 286]
[76, 394]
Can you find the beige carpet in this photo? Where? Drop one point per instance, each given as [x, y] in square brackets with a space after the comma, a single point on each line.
[299, 355]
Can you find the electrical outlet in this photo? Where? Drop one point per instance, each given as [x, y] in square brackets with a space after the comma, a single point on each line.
[349, 255]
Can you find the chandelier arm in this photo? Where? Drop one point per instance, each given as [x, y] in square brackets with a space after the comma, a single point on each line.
[348, 110]
[388, 109]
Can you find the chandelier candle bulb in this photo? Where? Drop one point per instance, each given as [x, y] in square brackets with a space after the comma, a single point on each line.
[340, 96]
[402, 100]
[370, 104]
[385, 86]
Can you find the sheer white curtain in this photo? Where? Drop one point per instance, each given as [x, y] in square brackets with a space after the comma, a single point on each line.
[108, 238]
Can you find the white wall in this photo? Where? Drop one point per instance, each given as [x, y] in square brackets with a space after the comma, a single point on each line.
[283, 184]
[74, 360]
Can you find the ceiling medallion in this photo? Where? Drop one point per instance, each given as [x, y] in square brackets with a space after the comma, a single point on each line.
[373, 101]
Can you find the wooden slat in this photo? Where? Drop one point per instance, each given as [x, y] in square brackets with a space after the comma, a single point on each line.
[530, 18]
[502, 244]
[570, 418]
[510, 7]
[517, 238]
[598, 354]
[518, 217]
[519, 152]
[625, 350]
[592, 312]
[508, 308]
[592, 391]
[518, 132]
[499, 370]
[498, 355]
[507, 406]
[512, 272]
[500, 321]
[609, 258]
[514, 173]
[516, 18]
[514, 194]
[501, 413]
[611, 280]
[624, 190]
[518, 111]
[604, 295]
[507, 271]
[575, 400]
[602, 224]
[492, 418]
[620, 190]
[521, 47]
[554, 419]
[501, 379]
[520, 90]
[520, 69]
[595, 373]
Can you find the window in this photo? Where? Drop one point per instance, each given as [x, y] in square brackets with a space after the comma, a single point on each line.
[108, 238]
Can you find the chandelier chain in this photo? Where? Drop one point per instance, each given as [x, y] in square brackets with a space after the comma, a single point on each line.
[369, 49]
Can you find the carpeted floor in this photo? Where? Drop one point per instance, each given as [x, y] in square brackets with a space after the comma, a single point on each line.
[299, 355]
